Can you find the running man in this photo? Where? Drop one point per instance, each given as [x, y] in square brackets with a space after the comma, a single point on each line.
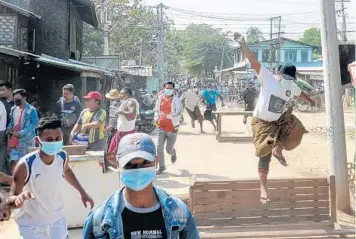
[274, 126]
[209, 99]
[36, 190]
[192, 106]
[167, 112]
[140, 209]
[249, 96]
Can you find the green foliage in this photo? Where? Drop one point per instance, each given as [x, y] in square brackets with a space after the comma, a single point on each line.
[254, 35]
[203, 47]
[311, 36]
[133, 34]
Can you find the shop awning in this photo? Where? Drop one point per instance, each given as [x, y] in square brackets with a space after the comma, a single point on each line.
[20, 10]
[84, 69]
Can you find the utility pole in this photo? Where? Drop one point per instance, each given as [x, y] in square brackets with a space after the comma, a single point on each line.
[160, 43]
[105, 10]
[334, 107]
[343, 34]
[275, 46]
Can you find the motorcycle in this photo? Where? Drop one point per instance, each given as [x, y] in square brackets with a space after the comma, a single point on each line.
[145, 122]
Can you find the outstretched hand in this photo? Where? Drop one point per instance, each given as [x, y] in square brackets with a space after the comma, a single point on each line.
[87, 199]
[239, 38]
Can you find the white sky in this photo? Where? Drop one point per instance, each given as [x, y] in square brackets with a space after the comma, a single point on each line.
[297, 15]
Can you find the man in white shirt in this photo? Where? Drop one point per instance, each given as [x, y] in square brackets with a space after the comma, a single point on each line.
[192, 105]
[274, 126]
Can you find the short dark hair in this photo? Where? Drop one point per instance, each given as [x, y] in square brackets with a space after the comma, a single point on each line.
[170, 83]
[48, 123]
[127, 90]
[69, 87]
[22, 92]
[7, 85]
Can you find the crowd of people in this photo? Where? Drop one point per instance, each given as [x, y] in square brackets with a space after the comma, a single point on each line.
[140, 209]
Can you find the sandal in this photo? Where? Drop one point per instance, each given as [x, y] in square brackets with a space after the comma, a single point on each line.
[281, 159]
[264, 201]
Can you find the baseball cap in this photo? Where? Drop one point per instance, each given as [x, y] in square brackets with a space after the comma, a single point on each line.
[113, 94]
[137, 145]
[95, 95]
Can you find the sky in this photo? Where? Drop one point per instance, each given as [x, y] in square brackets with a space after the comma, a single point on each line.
[297, 15]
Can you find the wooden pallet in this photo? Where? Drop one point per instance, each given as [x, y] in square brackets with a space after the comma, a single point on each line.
[299, 208]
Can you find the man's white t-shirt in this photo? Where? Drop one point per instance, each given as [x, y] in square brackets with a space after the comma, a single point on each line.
[191, 100]
[274, 96]
[3, 117]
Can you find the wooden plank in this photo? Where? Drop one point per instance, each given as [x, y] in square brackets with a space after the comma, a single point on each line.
[70, 149]
[272, 205]
[231, 112]
[253, 197]
[332, 199]
[297, 233]
[256, 184]
[246, 193]
[237, 138]
[326, 225]
[260, 220]
[263, 213]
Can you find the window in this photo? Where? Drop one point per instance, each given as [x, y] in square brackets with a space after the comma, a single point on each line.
[268, 55]
[305, 56]
[290, 56]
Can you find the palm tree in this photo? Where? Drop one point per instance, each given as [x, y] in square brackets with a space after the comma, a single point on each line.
[254, 35]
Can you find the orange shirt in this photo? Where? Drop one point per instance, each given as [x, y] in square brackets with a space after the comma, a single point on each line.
[165, 109]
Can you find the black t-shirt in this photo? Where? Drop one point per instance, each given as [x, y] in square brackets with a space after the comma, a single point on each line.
[66, 109]
[143, 223]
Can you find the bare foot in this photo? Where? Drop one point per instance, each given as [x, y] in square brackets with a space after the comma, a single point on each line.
[202, 132]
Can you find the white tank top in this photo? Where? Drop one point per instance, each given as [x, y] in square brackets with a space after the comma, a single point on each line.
[124, 125]
[44, 182]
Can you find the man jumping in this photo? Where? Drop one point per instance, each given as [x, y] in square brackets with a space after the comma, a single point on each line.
[274, 126]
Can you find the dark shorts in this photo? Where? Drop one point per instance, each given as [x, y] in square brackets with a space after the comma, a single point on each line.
[250, 106]
[196, 114]
[208, 114]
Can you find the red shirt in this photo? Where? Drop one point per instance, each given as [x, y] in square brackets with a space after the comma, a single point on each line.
[166, 109]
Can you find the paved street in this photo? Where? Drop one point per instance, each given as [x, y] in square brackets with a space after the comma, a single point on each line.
[209, 160]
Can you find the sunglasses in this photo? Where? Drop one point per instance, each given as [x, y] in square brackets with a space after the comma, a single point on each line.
[135, 166]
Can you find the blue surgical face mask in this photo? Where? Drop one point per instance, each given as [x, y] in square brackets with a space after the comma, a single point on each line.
[51, 148]
[137, 179]
[169, 92]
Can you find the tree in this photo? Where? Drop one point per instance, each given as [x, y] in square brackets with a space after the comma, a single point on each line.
[254, 35]
[311, 36]
[133, 35]
[203, 48]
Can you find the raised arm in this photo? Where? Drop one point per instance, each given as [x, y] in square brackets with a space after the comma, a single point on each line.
[250, 56]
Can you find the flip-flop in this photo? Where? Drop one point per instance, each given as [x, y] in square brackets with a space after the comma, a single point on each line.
[264, 201]
[281, 160]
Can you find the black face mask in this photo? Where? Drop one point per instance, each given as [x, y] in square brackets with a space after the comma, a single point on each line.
[18, 102]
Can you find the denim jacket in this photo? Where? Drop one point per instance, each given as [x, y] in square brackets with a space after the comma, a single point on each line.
[105, 221]
[28, 123]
